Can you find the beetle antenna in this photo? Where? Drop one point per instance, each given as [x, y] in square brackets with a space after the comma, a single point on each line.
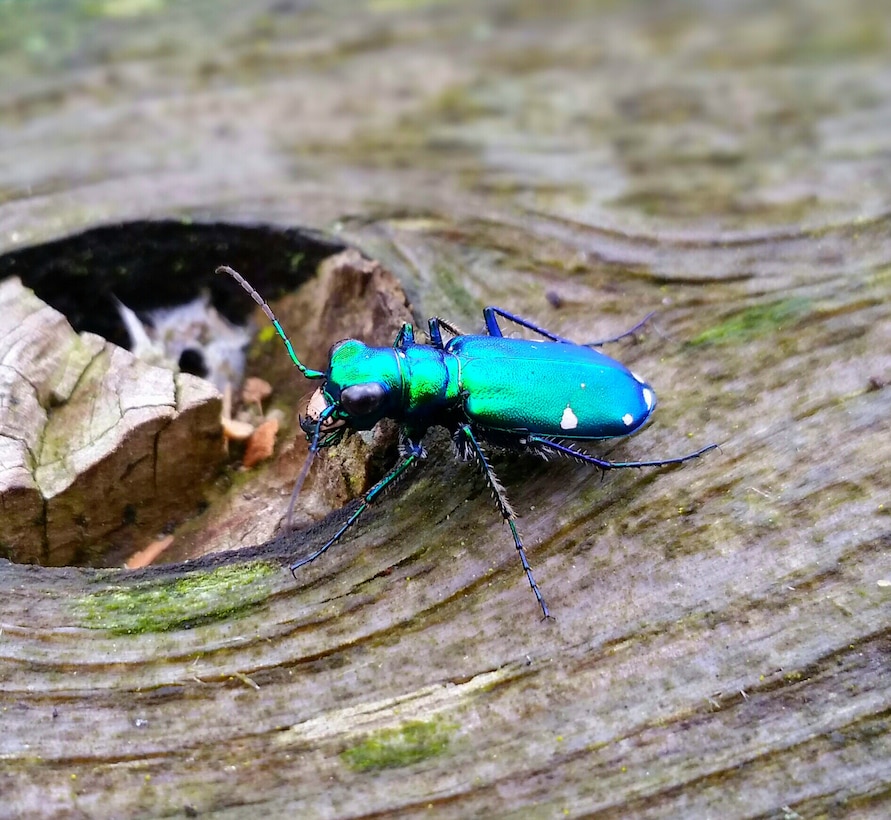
[304, 470]
[310, 374]
[298, 486]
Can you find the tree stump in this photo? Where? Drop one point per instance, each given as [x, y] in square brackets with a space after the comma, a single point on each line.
[722, 630]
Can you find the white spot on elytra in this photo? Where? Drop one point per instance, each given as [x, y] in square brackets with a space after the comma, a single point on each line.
[648, 398]
[628, 419]
[569, 420]
[583, 385]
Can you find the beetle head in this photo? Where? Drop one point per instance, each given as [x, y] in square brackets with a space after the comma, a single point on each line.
[360, 388]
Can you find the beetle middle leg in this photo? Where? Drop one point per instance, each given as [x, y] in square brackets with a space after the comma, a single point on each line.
[412, 452]
[470, 444]
[436, 326]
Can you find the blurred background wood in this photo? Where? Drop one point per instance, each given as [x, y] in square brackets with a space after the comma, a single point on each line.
[722, 631]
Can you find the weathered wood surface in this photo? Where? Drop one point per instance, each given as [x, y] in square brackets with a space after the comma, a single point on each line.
[723, 631]
[92, 440]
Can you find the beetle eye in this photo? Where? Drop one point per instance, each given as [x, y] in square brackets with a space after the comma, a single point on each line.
[362, 399]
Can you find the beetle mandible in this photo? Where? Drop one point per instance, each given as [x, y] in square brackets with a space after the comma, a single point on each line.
[538, 397]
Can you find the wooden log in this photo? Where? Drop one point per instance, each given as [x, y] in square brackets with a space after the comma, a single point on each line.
[722, 630]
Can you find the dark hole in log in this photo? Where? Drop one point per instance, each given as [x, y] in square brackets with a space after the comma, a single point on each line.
[154, 264]
[192, 361]
[73, 493]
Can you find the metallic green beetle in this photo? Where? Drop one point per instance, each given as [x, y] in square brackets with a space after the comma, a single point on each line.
[539, 397]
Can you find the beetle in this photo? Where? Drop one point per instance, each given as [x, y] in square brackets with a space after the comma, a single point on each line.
[539, 396]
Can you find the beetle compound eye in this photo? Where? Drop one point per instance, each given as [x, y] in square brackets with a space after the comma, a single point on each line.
[362, 399]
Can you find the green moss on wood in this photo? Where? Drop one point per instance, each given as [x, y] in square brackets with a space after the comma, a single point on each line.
[392, 748]
[752, 322]
[176, 603]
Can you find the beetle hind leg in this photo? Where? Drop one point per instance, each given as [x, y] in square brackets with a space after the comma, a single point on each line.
[468, 446]
[491, 315]
[542, 445]
[623, 335]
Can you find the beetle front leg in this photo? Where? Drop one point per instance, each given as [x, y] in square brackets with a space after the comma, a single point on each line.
[412, 452]
[504, 507]
[405, 337]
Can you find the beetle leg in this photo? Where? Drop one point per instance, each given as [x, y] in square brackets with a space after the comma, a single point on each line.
[405, 337]
[411, 451]
[504, 507]
[436, 326]
[541, 443]
[630, 332]
[491, 315]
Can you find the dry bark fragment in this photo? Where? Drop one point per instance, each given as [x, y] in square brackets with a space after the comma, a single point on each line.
[261, 443]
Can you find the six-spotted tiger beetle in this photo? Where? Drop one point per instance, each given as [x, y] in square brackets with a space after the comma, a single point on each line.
[534, 396]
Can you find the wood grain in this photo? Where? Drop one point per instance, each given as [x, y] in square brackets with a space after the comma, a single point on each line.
[723, 630]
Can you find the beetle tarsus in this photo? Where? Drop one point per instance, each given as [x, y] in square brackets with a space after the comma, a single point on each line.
[570, 451]
[624, 335]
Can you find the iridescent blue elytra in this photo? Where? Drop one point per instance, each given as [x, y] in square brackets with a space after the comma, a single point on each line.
[536, 396]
